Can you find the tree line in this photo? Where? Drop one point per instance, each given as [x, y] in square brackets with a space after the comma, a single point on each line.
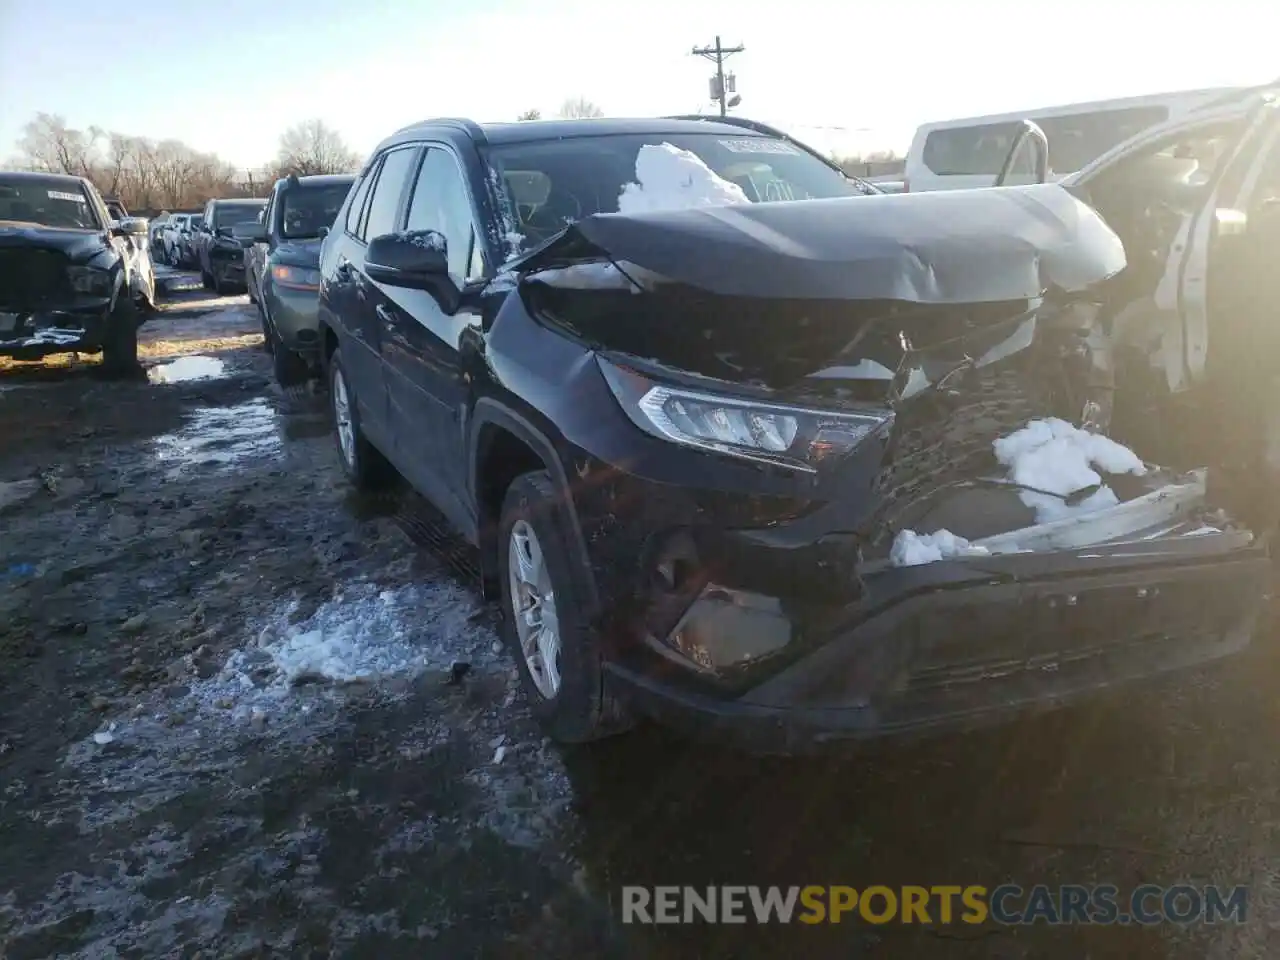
[149, 175]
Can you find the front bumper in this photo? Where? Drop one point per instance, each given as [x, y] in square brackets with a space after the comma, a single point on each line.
[787, 641]
[31, 336]
[296, 318]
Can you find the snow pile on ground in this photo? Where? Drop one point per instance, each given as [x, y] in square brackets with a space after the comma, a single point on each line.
[668, 178]
[911, 549]
[1055, 456]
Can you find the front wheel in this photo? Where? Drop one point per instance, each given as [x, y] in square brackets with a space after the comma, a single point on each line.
[364, 465]
[120, 346]
[545, 622]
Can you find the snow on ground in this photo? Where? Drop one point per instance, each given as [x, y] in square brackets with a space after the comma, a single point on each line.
[1056, 456]
[668, 178]
[587, 276]
[911, 549]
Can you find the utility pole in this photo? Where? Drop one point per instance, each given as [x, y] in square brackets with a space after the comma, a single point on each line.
[718, 55]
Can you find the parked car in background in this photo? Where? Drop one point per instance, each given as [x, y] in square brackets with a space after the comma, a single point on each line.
[282, 267]
[177, 239]
[155, 237]
[65, 272]
[694, 435]
[142, 274]
[956, 154]
[217, 254]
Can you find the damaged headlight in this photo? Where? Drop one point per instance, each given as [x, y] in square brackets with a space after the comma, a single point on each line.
[89, 280]
[796, 437]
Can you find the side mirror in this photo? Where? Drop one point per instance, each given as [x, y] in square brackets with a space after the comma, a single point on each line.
[129, 227]
[418, 260]
[1031, 133]
[249, 233]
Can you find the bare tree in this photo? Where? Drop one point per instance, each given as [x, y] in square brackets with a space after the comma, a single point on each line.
[578, 107]
[313, 147]
[48, 144]
[534, 114]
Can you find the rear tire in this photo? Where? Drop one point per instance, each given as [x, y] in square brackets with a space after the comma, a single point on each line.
[289, 368]
[120, 346]
[366, 468]
[581, 709]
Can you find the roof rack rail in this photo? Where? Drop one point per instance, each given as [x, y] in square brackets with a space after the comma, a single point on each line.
[467, 126]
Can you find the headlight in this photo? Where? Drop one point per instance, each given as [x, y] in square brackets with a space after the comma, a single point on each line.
[89, 281]
[296, 278]
[797, 437]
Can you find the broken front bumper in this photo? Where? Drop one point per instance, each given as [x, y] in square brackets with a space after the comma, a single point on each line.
[763, 647]
[30, 336]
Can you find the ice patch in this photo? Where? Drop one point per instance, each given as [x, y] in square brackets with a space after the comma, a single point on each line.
[911, 549]
[186, 368]
[586, 276]
[668, 178]
[221, 436]
[1060, 458]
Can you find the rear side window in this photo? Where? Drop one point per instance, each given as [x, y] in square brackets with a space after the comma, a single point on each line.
[355, 212]
[384, 203]
[1074, 141]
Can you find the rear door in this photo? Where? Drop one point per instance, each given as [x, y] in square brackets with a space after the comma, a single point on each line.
[420, 342]
[383, 213]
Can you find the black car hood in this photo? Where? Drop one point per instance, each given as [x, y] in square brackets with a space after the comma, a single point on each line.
[954, 246]
[78, 245]
[865, 289]
[298, 253]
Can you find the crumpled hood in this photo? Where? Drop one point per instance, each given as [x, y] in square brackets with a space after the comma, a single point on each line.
[952, 246]
[78, 245]
[298, 253]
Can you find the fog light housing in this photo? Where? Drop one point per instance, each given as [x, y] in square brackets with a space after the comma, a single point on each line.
[726, 629]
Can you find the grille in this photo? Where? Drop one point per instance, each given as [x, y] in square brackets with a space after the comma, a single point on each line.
[31, 278]
[945, 437]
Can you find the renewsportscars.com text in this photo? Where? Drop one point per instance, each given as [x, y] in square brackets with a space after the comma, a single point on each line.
[939, 904]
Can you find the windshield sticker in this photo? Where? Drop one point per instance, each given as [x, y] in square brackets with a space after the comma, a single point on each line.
[73, 197]
[759, 145]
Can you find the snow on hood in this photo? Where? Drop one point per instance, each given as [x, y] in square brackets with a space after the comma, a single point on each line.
[668, 178]
[939, 247]
[1056, 456]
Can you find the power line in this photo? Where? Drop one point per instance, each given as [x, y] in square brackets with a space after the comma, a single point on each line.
[718, 54]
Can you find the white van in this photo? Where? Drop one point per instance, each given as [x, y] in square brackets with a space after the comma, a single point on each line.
[955, 154]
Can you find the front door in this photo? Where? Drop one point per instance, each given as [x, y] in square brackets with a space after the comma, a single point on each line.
[420, 341]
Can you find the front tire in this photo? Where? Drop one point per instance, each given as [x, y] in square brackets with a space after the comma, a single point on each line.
[366, 468]
[545, 625]
[120, 346]
[206, 280]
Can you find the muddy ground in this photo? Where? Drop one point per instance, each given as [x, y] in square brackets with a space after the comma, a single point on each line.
[227, 730]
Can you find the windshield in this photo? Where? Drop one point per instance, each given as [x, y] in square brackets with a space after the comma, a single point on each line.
[47, 202]
[555, 182]
[230, 216]
[308, 208]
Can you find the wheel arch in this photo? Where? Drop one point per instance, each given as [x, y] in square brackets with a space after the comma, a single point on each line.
[502, 445]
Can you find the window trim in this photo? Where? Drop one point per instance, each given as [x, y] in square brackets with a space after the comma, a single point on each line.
[477, 234]
[402, 207]
[372, 172]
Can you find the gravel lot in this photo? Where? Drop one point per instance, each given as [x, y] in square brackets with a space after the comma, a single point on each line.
[227, 729]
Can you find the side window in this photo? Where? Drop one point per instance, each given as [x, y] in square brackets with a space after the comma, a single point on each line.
[970, 151]
[355, 211]
[384, 202]
[440, 202]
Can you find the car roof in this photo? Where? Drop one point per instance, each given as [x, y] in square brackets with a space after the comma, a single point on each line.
[529, 131]
[66, 178]
[245, 200]
[322, 179]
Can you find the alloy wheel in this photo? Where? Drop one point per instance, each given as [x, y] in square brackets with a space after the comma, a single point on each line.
[533, 605]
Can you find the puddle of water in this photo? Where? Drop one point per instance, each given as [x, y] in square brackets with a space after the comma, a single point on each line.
[221, 436]
[187, 368]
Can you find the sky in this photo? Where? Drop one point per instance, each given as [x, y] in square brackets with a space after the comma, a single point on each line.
[228, 77]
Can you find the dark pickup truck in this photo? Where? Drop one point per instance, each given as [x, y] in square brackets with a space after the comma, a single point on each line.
[66, 272]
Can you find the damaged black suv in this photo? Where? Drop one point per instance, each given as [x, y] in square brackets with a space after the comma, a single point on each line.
[66, 282]
[746, 445]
